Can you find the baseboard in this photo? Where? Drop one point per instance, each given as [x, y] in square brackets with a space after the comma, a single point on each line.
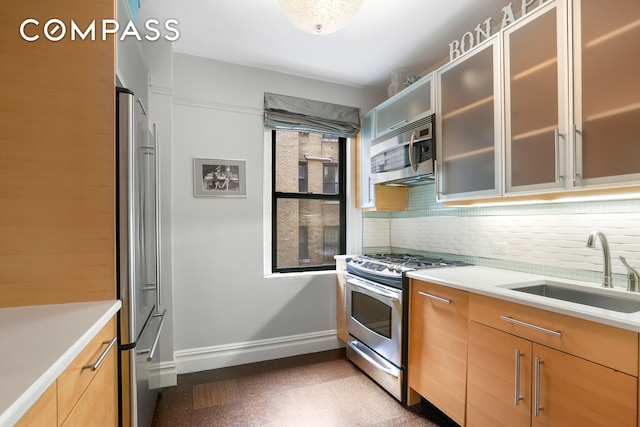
[164, 374]
[222, 356]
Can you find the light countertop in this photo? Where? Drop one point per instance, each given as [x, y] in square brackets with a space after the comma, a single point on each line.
[494, 282]
[37, 345]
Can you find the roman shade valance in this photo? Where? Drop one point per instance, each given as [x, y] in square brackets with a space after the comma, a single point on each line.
[305, 115]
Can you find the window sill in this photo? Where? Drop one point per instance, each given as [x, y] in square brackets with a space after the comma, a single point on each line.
[299, 274]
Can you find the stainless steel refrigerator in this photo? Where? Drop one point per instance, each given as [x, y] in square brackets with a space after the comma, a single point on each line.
[140, 320]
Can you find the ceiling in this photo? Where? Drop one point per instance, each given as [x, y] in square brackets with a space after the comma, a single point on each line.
[383, 36]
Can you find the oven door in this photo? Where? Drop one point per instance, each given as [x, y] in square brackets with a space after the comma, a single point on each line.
[374, 317]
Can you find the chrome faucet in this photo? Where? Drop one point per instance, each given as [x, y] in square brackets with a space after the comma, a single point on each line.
[591, 243]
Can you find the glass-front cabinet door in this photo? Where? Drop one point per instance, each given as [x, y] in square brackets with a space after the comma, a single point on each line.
[409, 105]
[606, 41]
[468, 125]
[536, 112]
[367, 193]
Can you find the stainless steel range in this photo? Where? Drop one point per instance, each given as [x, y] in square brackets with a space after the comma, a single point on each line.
[377, 306]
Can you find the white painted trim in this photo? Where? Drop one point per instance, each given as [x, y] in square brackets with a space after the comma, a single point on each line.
[161, 90]
[164, 374]
[217, 106]
[221, 356]
[266, 203]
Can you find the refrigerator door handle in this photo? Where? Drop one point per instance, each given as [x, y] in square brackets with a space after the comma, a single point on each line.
[157, 228]
[152, 350]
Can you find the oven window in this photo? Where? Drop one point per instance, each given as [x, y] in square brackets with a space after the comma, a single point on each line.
[372, 313]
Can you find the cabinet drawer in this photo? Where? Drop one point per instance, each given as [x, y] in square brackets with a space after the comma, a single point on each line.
[99, 404]
[457, 297]
[43, 412]
[75, 379]
[609, 346]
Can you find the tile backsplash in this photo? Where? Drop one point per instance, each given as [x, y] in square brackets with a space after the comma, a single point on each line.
[542, 238]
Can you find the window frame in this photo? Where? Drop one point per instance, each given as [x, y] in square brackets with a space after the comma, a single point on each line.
[340, 197]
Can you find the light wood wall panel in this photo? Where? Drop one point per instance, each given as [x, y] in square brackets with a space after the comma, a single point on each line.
[57, 157]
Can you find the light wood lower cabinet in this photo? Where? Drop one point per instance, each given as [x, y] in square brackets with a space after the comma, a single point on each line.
[514, 380]
[81, 396]
[98, 405]
[574, 391]
[492, 378]
[43, 413]
[438, 347]
[86, 395]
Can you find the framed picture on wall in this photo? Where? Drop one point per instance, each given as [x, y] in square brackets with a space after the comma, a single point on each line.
[219, 177]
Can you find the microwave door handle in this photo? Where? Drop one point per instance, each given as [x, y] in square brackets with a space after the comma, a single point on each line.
[414, 166]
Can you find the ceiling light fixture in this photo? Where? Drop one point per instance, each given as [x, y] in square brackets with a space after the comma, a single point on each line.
[320, 16]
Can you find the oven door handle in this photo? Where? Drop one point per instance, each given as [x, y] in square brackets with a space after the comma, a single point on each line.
[375, 289]
[363, 352]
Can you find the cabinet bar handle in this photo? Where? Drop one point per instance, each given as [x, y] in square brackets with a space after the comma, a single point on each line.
[576, 173]
[518, 398]
[556, 137]
[529, 325]
[446, 301]
[96, 365]
[536, 404]
[437, 181]
[398, 124]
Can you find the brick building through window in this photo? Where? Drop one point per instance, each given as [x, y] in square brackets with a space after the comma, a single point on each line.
[308, 200]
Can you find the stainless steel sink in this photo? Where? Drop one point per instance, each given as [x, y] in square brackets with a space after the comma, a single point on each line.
[601, 298]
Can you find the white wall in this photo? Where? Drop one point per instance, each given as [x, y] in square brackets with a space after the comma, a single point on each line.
[225, 311]
[159, 56]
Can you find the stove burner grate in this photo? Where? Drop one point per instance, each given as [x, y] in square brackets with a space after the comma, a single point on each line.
[410, 261]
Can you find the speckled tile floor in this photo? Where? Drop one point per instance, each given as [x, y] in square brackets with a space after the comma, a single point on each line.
[315, 390]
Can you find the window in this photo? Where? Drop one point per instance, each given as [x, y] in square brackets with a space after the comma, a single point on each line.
[330, 178]
[302, 177]
[303, 243]
[330, 242]
[308, 201]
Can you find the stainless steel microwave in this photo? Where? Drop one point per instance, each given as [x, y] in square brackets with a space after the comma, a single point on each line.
[406, 156]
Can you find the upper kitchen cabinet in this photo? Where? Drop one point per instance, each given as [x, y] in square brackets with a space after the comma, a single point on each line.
[407, 106]
[57, 168]
[374, 197]
[366, 189]
[468, 125]
[606, 36]
[535, 101]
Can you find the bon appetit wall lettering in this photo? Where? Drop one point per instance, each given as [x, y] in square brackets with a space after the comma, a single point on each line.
[471, 39]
